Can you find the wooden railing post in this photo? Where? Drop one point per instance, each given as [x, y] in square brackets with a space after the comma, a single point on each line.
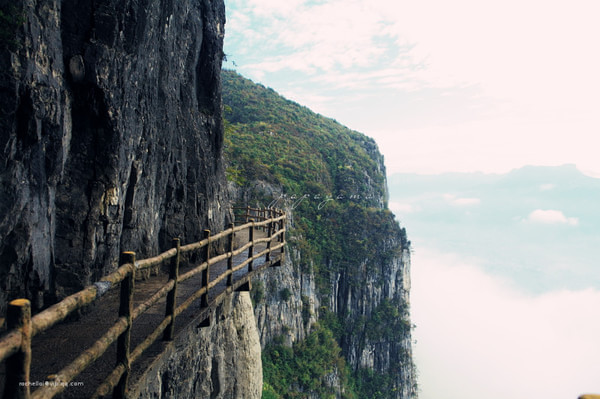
[282, 235]
[172, 296]
[206, 272]
[251, 239]
[265, 217]
[247, 213]
[124, 340]
[18, 317]
[231, 245]
[278, 226]
[269, 233]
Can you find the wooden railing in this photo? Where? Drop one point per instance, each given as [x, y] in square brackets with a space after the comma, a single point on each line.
[15, 346]
[247, 213]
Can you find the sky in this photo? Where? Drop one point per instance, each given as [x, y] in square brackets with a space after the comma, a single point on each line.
[497, 84]
[458, 86]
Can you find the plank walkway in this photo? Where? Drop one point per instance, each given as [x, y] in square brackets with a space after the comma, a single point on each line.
[60, 345]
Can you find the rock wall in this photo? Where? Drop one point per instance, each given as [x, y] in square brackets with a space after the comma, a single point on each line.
[371, 297]
[376, 307]
[110, 136]
[289, 303]
[221, 361]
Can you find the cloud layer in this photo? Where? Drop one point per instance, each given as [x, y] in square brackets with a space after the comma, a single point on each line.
[478, 337]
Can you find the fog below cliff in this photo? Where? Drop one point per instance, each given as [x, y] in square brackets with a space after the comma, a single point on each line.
[506, 289]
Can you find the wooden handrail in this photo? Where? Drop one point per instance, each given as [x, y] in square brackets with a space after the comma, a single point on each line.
[256, 213]
[58, 312]
[15, 346]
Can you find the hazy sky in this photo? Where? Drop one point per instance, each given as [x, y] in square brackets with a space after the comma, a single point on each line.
[505, 282]
[460, 85]
[456, 86]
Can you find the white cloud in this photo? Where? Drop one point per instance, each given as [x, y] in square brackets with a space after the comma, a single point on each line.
[547, 186]
[551, 216]
[400, 208]
[466, 201]
[478, 337]
[590, 172]
[307, 37]
[462, 42]
[458, 201]
[468, 41]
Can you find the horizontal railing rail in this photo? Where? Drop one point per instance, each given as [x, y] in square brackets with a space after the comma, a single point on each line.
[15, 345]
[253, 213]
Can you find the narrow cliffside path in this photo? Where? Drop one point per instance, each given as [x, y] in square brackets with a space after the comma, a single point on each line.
[57, 347]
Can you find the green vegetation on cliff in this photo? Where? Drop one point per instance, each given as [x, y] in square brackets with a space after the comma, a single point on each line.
[333, 180]
[332, 176]
[273, 139]
[303, 366]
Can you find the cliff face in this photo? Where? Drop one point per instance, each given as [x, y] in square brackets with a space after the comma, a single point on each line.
[370, 298]
[110, 136]
[347, 271]
[282, 316]
[221, 361]
[375, 306]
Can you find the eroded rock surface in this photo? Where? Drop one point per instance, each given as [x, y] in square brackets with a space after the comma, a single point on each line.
[110, 137]
[220, 361]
